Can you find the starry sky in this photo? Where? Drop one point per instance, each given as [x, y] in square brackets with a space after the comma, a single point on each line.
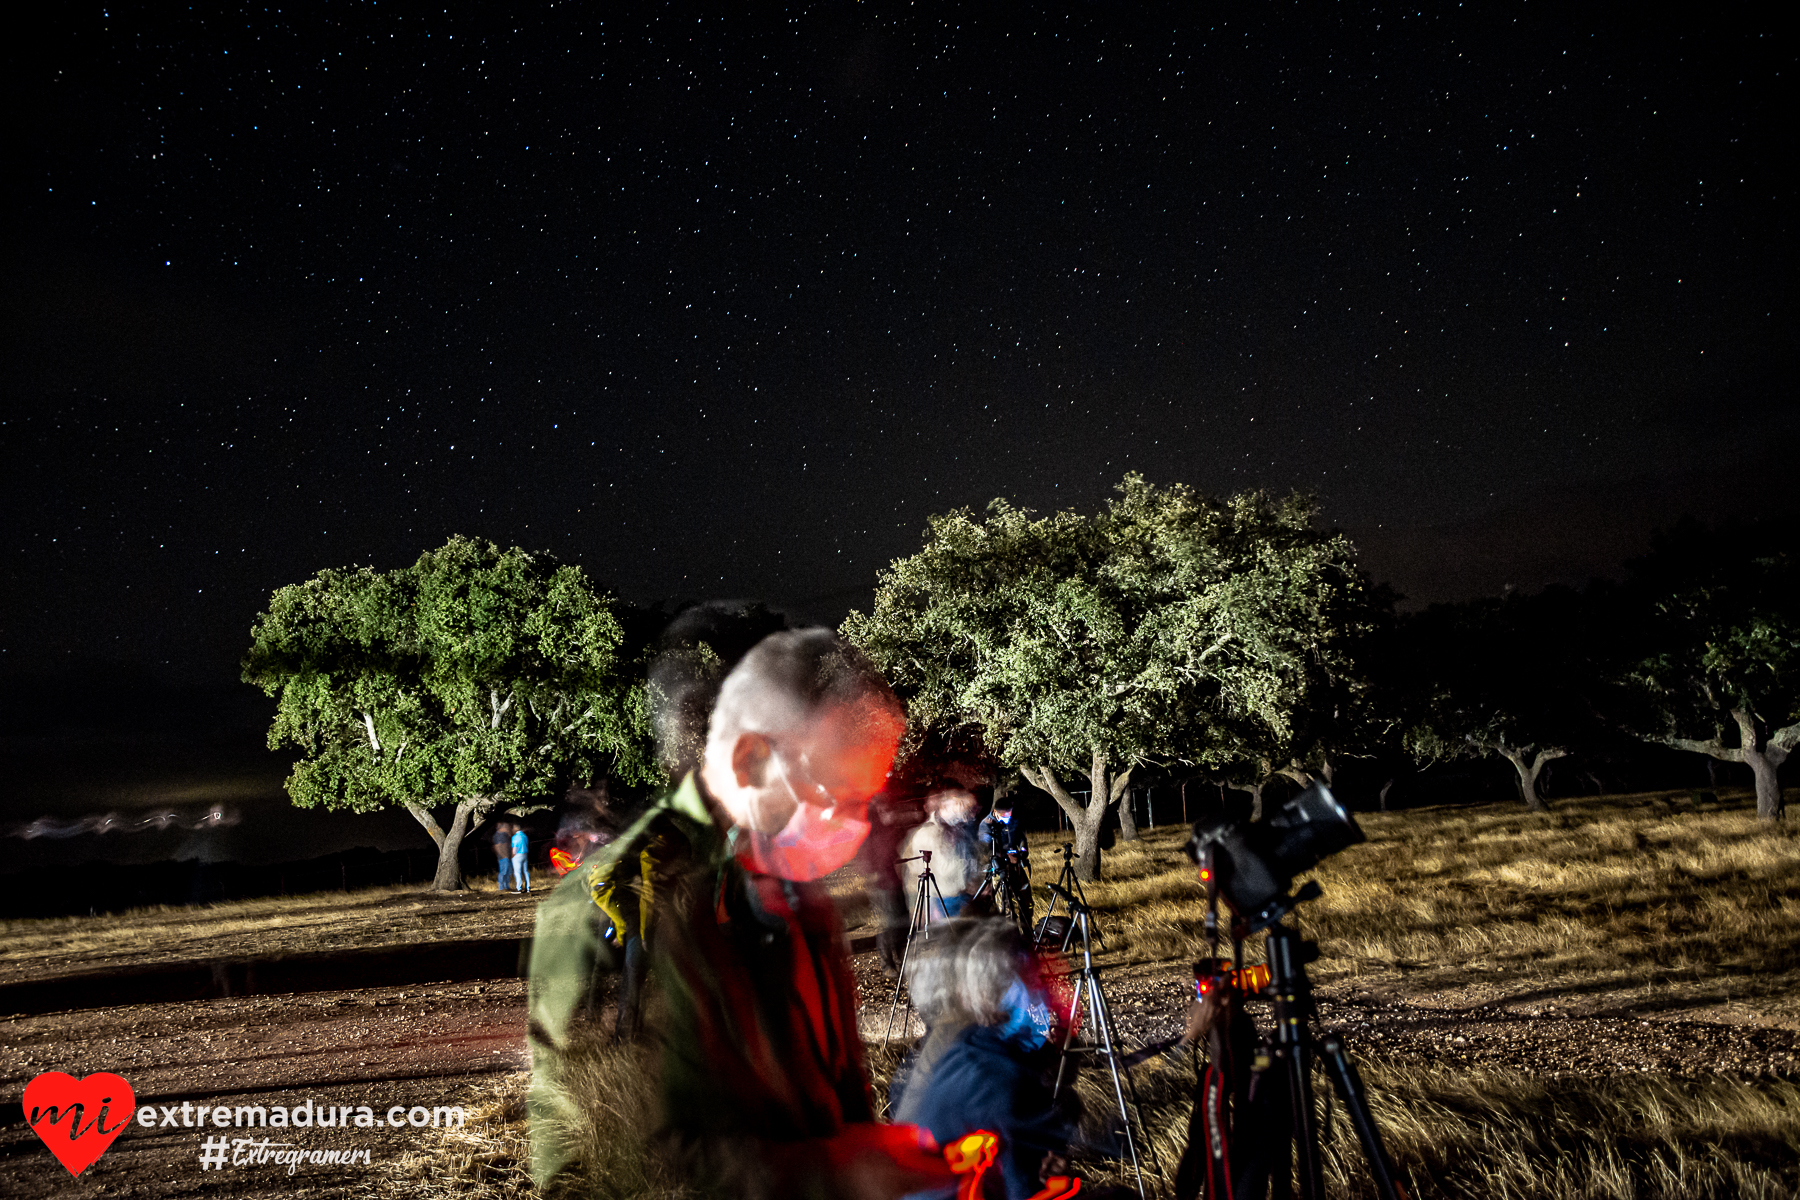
[718, 300]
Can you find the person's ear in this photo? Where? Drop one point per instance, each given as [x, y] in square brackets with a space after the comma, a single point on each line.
[750, 759]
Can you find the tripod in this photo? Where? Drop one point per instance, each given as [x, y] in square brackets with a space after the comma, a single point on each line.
[1011, 894]
[1086, 981]
[920, 923]
[1066, 885]
[1281, 1113]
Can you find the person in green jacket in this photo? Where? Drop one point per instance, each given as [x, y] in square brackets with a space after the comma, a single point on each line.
[763, 1086]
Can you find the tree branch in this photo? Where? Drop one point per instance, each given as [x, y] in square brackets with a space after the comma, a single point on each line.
[1787, 738]
[369, 725]
[1045, 780]
[1545, 756]
[423, 816]
[1714, 748]
[1119, 783]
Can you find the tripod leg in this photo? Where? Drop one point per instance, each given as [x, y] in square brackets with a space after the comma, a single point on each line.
[919, 915]
[1306, 1125]
[1075, 887]
[1262, 1150]
[1356, 1101]
[1102, 1015]
[1062, 1061]
[942, 907]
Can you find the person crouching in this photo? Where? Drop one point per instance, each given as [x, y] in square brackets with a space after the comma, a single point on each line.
[989, 1057]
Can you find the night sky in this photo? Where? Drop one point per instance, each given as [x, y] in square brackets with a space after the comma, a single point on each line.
[726, 304]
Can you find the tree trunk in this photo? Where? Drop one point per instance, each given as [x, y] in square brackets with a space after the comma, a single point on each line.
[1766, 767]
[1084, 821]
[1529, 770]
[1128, 830]
[1764, 758]
[470, 812]
[1385, 788]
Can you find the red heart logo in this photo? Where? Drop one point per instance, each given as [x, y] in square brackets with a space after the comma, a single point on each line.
[78, 1118]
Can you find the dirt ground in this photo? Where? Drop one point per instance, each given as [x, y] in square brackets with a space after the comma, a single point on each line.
[1465, 1028]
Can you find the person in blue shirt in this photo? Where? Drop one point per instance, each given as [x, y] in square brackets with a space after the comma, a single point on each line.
[521, 846]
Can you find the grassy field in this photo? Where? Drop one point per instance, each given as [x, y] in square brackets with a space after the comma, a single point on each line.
[1642, 904]
[1654, 900]
[388, 916]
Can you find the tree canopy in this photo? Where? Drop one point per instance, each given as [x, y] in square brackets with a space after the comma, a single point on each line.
[1169, 626]
[476, 676]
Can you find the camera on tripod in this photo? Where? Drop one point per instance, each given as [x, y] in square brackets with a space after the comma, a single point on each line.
[1252, 865]
[1255, 1119]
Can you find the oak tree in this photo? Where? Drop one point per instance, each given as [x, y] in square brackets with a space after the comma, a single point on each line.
[1717, 658]
[1167, 627]
[476, 677]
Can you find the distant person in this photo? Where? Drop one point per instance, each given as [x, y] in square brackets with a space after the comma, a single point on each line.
[503, 852]
[948, 834]
[1005, 841]
[521, 846]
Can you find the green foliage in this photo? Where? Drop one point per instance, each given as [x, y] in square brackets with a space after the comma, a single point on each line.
[1168, 626]
[475, 672]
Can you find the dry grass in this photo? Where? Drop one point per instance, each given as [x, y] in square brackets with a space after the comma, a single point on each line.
[394, 915]
[489, 1158]
[1652, 900]
[1452, 1132]
[1458, 1133]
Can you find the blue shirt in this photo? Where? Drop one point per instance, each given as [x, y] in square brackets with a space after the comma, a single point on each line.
[521, 843]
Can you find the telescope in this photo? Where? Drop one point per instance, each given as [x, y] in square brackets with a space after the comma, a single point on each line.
[1252, 864]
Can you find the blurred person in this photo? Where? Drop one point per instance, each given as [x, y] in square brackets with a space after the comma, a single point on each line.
[891, 822]
[521, 849]
[503, 852]
[763, 1086]
[949, 835]
[589, 823]
[989, 1057]
[599, 922]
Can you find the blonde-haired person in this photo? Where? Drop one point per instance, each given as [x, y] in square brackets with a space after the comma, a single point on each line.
[989, 1057]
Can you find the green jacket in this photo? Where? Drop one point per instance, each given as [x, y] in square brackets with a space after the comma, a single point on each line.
[570, 947]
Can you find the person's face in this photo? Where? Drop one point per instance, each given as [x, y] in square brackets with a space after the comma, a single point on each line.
[803, 796]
